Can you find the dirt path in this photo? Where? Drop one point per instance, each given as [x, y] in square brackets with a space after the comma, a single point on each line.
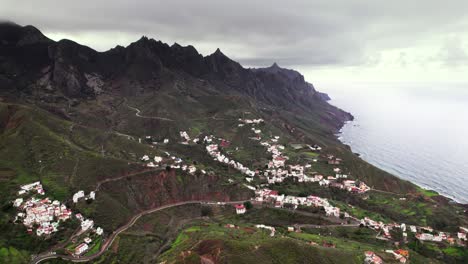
[124, 176]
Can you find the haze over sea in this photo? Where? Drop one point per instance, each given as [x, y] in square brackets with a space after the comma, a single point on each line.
[417, 131]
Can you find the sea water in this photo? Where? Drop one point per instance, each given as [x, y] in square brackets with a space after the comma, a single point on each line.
[416, 131]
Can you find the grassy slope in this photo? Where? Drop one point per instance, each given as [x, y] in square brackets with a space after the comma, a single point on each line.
[34, 145]
[179, 235]
[67, 156]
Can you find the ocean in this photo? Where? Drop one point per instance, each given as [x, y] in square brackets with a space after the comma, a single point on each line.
[416, 131]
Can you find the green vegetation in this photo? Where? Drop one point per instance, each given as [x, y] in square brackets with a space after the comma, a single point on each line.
[12, 255]
[428, 193]
[69, 155]
[95, 246]
[229, 245]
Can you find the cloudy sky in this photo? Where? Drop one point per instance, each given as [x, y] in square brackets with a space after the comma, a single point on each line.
[373, 40]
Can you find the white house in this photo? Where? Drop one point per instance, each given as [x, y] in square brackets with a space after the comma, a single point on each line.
[81, 248]
[240, 209]
[99, 231]
[87, 224]
[78, 195]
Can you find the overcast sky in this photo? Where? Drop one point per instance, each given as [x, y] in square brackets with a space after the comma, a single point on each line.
[397, 40]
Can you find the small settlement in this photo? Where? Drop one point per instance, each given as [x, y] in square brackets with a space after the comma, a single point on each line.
[45, 216]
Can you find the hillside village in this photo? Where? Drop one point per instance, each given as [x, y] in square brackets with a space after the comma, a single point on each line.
[45, 215]
[278, 170]
[42, 217]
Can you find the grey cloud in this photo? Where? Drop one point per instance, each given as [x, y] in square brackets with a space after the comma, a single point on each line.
[255, 32]
[453, 52]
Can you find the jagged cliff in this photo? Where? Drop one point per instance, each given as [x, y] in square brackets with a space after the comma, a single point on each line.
[34, 66]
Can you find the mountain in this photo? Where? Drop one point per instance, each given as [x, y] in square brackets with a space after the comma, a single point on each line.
[36, 67]
[77, 119]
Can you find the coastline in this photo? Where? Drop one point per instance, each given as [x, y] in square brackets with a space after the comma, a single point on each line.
[449, 197]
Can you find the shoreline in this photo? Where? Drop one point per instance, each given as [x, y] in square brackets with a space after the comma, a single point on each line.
[450, 198]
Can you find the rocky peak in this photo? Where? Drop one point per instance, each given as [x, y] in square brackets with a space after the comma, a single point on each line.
[218, 52]
[14, 34]
[220, 63]
[275, 66]
[275, 69]
[188, 51]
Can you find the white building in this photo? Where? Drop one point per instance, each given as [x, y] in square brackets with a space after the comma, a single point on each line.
[99, 231]
[18, 202]
[81, 248]
[87, 224]
[78, 195]
[240, 209]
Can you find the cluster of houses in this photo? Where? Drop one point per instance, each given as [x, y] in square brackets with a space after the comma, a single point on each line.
[421, 233]
[156, 163]
[213, 151]
[41, 213]
[278, 159]
[84, 246]
[86, 225]
[277, 172]
[428, 234]
[35, 186]
[172, 161]
[380, 226]
[279, 201]
[45, 215]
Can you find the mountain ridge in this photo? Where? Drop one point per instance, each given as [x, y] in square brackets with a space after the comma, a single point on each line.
[62, 66]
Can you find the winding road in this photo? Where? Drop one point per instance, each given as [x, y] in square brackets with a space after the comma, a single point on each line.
[138, 111]
[110, 240]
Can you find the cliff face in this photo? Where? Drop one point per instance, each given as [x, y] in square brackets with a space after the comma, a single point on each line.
[33, 66]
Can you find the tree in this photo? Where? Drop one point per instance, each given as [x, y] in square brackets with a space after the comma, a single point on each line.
[248, 205]
[206, 211]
